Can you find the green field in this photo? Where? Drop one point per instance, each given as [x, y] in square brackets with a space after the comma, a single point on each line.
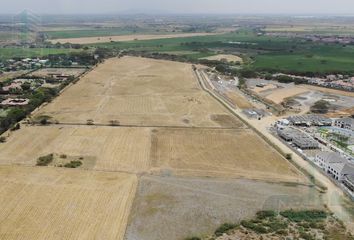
[8, 53]
[267, 53]
[99, 32]
[322, 59]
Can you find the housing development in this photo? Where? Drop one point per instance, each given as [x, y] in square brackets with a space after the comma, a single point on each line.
[179, 127]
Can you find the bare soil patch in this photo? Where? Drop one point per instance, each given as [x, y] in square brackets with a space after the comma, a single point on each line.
[278, 96]
[227, 57]
[328, 90]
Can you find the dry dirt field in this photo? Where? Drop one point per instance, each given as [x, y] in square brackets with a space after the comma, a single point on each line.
[265, 88]
[138, 91]
[219, 153]
[328, 90]
[176, 208]
[239, 100]
[45, 72]
[49, 203]
[111, 149]
[227, 57]
[125, 38]
[279, 95]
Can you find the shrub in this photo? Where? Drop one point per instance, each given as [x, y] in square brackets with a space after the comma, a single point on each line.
[45, 160]
[276, 226]
[16, 127]
[73, 164]
[193, 238]
[308, 216]
[63, 156]
[2, 139]
[224, 228]
[266, 214]
[255, 227]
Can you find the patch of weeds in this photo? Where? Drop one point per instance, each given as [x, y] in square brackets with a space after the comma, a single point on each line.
[224, 228]
[73, 164]
[307, 216]
[45, 160]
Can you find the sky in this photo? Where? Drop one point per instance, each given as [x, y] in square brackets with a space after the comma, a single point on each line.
[339, 7]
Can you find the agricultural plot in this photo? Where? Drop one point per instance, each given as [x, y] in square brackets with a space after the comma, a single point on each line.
[138, 91]
[155, 123]
[185, 207]
[103, 148]
[125, 38]
[219, 153]
[49, 203]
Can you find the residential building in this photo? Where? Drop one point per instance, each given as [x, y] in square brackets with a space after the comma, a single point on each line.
[298, 138]
[346, 123]
[334, 165]
[348, 182]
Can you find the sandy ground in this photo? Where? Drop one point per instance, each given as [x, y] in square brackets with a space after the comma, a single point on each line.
[279, 95]
[176, 208]
[138, 91]
[219, 153]
[49, 203]
[126, 38]
[265, 88]
[227, 57]
[110, 149]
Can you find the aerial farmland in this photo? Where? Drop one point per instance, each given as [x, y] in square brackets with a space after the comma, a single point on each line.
[154, 149]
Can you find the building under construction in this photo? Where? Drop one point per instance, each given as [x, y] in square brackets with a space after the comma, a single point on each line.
[298, 138]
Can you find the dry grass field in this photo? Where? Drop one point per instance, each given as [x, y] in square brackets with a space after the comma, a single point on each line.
[112, 149]
[219, 153]
[227, 57]
[176, 208]
[45, 72]
[126, 38]
[239, 100]
[49, 203]
[138, 91]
